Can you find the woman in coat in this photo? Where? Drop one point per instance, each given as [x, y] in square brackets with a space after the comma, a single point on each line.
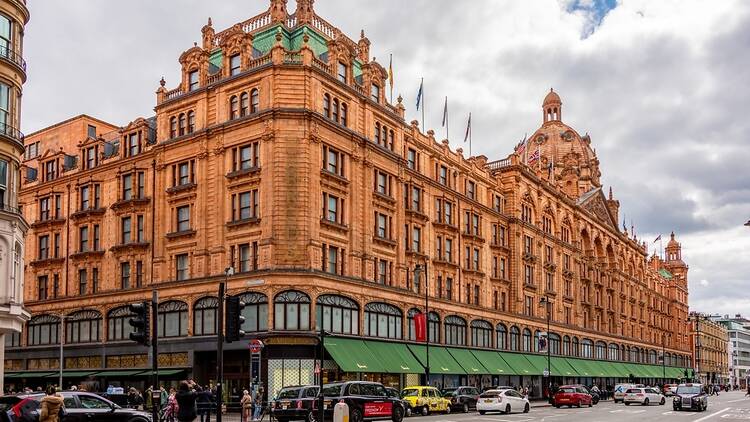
[51, 405]
[185, 403]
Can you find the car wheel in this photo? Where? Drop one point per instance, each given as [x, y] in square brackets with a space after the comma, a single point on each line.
[311, 416]
[663, 401]
[465, 408]
[627, 403]
[645, 402]
[398, 414]
[507, 409]
[675, 408]
[408, 411]
[482, 412]
[355, 415]
[447, 409]
[425, 411]
[526, 408]
[591, 403]
[557, 406]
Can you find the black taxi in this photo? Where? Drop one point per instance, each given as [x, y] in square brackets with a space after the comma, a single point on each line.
[367, 401]
[295, 403]
[690, 396]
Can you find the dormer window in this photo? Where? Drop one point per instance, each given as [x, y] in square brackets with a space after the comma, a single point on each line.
[133, 144]
[234, 65]
[375, 93]
[91, 131]
[90, 157]
[193, 81]
[50, 170]
[342, 72]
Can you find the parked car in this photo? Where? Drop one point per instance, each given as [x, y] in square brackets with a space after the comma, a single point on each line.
[295, 403]
[572, 395]
[643, 396]
[690, 397]
[394, 393]
[669, 389]
[367, 401]
[503, 401]
[79, 406]
[462, 398]
[498, 387]
[594, 394]
[424, 399]
[620, 390]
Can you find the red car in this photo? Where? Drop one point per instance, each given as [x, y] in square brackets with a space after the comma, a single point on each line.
[572, 395]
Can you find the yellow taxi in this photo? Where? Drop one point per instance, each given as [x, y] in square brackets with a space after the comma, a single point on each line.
[424, 399]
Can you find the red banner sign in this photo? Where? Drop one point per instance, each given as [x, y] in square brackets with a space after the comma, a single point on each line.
[420, 327]
[378, 409]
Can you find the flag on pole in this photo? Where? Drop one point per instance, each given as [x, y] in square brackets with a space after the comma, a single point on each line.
[533, 157]
[658, 238]
[390, 76]
[468, 129]
[551, 168]
[521, 147]
[419, 93]
[445, 111]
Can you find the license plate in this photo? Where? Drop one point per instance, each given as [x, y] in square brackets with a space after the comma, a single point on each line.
[488, 400]
[283, 407]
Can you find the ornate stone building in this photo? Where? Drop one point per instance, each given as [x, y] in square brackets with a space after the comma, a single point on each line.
[13, 17]
[709, 341]
[277, 154]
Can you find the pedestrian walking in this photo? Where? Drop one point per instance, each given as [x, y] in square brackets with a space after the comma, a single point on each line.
[204, 400]
[258, 404]
[185, 402]
[52, 408]
[246, 403]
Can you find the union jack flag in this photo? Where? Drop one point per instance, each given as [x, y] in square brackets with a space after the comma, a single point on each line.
[533, 157]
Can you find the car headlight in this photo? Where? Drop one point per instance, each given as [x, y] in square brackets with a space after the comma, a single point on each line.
[676, 399]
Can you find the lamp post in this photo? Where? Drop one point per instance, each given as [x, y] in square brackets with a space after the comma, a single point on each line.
[663, 358]
[417, 272]
[546, 301]
[228, 272]
[62, 342]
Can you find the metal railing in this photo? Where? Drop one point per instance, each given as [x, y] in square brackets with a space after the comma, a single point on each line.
[13, 57]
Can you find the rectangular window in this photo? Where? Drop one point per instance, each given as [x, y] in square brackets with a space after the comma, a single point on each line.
[42, 287]
[85, 197]
[181, 264]
[245, 205]
[475, 224]
[333, 161]
[550, 282]
[94, 280]
[44, 209]
[244, 257]
[139, 229]
[471, 189]
[183, 218]
[43, 247]
[502, 269]
[82, 281]
[127, 187]
[382, 272]
[375, 93]
[475, 260]
[449, 288]
[528, 245]
[333, 208]
[125, 275]
[55, 285]
[476, 295]
[134, 144]
[497, 203]
[126, 229]
[443, 175]
[96, 245]
[411, 159]
[91, 131]
[138, 273]
[57, 245]
[528, 274]
[449, 250]
[342, 72]
[416, 198]
[183, 173]
[234, 65]
[448, 213]
[416, 239]
[83, 239]
[381, 226]
[529, 306]
[503, 301]
[333, 259]
[382, 183]
[193, 80]
[50, 168]
[440, 287]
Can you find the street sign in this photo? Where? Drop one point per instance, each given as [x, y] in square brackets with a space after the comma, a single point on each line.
[255, 346]
[546, 372]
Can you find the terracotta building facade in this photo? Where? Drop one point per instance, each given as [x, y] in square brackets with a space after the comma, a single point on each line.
[278, 155]
[13, 17]
[710, 341]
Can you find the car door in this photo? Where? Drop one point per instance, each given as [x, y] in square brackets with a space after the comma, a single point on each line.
[654, 396]
[73, 411]
[97, 410]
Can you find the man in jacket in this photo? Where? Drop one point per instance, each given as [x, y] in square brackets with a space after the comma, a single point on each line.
[51, 406]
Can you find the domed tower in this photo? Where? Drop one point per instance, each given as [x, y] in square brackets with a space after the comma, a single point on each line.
[13, 17]
[552, 107]
[673, 260]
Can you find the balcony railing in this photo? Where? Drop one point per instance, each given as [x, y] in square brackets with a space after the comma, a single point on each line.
[13, 134]
[11, 56]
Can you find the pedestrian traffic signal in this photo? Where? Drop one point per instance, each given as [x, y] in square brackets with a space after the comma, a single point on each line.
[141, 323]
[234, 319]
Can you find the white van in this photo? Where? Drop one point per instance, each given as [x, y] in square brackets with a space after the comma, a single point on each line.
[620, 390]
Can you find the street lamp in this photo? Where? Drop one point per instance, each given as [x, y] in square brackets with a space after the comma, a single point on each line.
[663, 358]
[228, 272]
[546, 301]
[417, 272]
[61, 339]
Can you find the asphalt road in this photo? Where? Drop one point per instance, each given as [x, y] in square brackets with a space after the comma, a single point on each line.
[732, 406]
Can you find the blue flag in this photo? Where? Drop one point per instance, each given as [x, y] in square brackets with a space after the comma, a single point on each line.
[419, 93]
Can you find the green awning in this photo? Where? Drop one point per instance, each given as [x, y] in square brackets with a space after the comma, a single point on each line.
[468, 361]
[519, 363]
[608, 369]
[18, 375]
[561, 368]
[583, 367]
[539, 362]
[493, 362]
[121, 373]
[621, 370]
[352, 355]
[638, 370]
[441, 361]
[164, 372]
[396, 357]
[73, 374]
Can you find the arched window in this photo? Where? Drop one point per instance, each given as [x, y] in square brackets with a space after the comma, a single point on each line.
[327, 105]
[566, 346]
[255, 312]
[433, 331]
[614, 352]
[515, 338]
[501, 337]
[254, 100]
[118, 327]
[343, 114]
[335, 112]
[339, 314]
[191, 122]
[554, 343]
[384, 136]
[382, 320]
[204, 316]
[527, 346]
[173, 319]
[411, 328]
[481, 334]
[635, 354]
[537, 337]
[587, 348]
[575, 348]
[183, 124]
[234, 107]
[652, 357]
[455, 330]
[83, 327]
[244, 106]
[173, 127]
[601, 350]
[291, 311]
[43, 329]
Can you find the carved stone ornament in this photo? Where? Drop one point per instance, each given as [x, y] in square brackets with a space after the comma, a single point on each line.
[568, 135]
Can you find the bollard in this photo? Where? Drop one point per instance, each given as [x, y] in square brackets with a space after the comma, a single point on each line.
[341, 412]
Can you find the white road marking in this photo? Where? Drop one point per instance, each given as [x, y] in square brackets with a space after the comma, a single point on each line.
[735, 401]
[712, 415]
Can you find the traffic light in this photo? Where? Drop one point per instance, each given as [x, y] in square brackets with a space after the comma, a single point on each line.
[234, 319]
[141, 322]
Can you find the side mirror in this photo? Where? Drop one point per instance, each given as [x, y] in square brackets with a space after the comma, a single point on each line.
[112, 407]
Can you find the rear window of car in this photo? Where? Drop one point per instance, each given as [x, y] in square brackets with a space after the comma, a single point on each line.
[8, 401]
[633, 390]
[410, 392]
[332, 390]
[289, 393]
[490, 394]
[567, 390]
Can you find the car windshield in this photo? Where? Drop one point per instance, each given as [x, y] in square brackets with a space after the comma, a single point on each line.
[410, 392]
[684, 389]
[567, 390]
[449, 392]
[332, 390]
[288, 393]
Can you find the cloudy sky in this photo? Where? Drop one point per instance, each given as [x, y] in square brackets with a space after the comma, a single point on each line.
[662, 87]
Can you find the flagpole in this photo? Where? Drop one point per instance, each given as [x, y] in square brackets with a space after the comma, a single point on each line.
[424, 130]
[470, 134]
[446, 118]
[390, 76]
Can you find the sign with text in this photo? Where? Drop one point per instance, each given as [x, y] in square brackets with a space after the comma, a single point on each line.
[378, 409]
